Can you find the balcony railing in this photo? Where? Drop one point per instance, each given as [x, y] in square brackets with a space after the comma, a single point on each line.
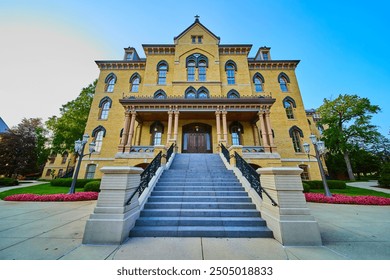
[253, 149]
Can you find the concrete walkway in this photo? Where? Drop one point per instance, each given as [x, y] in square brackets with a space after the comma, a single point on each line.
[370, 185]
[54, 230]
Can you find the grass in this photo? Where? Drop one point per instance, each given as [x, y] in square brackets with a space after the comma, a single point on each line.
[38, 189]
[352, 191]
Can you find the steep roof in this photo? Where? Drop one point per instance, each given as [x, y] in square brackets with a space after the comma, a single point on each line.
[3, 126]
[197, 22]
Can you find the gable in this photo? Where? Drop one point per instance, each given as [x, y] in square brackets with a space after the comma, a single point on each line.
[196, 29]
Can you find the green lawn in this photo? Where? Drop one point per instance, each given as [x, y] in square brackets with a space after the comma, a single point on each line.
[38, 189]
[352, 191]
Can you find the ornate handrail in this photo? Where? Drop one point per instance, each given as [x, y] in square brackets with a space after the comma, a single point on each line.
[170, 151]
[146, 176]
[225, 152]
[251, 175]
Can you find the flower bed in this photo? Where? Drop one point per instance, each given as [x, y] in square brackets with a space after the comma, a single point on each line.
[343, 199]
[80, 196]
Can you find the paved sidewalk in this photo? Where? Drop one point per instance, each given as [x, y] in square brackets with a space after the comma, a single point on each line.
[370, 185]
[54, 230]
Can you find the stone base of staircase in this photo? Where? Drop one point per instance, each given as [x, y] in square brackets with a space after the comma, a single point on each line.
[199, 197]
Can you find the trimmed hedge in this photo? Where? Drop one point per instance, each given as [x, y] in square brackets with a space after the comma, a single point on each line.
[67, 182]
[306, 187]
[332, 184]
[8, 182]
[93, 186]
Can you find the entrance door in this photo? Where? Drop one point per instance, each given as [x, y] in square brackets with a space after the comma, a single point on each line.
[197, 143]
[197, 138]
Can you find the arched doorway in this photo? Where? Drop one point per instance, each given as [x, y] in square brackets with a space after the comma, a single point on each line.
[197, 138]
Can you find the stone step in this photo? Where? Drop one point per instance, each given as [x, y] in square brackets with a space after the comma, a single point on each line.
[199, 193]
[201, 231]
[197, 188]
[200, 221]
[194, 184]
[198, 205]
[199, 199]
[200, 213]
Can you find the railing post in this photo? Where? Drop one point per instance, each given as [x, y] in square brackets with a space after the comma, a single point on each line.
[291, 221]
[112, 219]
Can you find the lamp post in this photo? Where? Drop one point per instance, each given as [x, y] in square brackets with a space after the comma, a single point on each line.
[79, 146]
[319, 148]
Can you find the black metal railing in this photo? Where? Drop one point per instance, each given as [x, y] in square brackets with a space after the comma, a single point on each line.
[225, 152]
[170, 151]
[252, 176]
[146, 176]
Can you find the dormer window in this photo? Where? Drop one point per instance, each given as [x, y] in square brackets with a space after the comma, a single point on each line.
[265, 56]
[129, 56]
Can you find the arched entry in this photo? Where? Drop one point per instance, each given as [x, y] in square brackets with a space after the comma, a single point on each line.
[197, 138]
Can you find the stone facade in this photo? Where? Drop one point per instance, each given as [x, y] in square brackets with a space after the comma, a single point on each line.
[197, 94]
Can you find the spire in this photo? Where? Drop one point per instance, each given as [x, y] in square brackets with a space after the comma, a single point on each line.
[197, 18]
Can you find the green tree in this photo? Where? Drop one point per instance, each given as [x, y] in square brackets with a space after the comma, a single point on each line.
[70, 126]
[347, 119]
[23, 150]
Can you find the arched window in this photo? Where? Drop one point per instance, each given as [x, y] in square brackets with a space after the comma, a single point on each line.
[160, 94]
[104, 105]
[203, 93]
[64, 157]
[98, 134]
[236, 130]
[230, 68]
[258, 80]
[202, 71]
[135, 79]
[156, 130]
[283, 79]
[190, 93]
[162, 68]
[90, 172]
[233, 94]
[289, 105]
[191, 71]
[296, 135]
[110, 82]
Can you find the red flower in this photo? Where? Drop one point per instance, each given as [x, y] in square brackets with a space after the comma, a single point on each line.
[343, 199]
[53, 197]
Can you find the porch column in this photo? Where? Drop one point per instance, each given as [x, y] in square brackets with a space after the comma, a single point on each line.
[131, 131]
[224, 125]
[218, 124]
[139, 134]
[169, 132]
[125, 132]
[176, 126]
[263, 132]
[269, 129]
[255, 134]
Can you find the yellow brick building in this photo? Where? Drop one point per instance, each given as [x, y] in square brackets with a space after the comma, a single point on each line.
[197, 94]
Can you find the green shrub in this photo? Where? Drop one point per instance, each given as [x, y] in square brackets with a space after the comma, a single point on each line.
[384, 179]
[8, 182]
[67, 182]
[93, 186]
[306, 187]
[332, 184]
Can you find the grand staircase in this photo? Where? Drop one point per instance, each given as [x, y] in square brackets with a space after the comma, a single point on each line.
[199, 197]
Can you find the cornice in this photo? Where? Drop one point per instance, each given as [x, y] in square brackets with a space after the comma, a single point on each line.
[272, 64]
[121, 64]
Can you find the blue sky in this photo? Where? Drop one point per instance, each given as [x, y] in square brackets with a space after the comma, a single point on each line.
[48, 48]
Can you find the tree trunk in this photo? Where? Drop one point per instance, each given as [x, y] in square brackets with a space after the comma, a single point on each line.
[349, 167]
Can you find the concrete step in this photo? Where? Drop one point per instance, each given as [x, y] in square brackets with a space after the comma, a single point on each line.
[199, 199]
[198, 205]
[200, 213]
[200, 221]
[199, 231]
[199, 193]
[198, 188]
[194, 184]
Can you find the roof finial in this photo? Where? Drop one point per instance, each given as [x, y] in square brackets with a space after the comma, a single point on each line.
[197, 18]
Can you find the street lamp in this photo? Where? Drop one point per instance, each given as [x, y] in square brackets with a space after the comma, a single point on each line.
[79, 146]
[319, 148]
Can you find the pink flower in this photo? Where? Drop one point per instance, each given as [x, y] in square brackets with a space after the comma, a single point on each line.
[343, 199]
[80, 196]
